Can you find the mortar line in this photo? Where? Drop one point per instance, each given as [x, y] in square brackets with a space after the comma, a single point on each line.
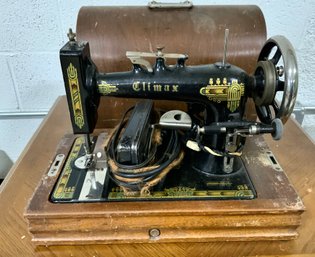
[8, 53]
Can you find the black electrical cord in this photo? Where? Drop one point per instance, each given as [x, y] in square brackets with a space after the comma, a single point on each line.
[162, 163]
[169, 155]
[125, 172]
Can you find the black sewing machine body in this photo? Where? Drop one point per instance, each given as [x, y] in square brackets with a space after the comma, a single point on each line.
[210, 135]
[205, 84]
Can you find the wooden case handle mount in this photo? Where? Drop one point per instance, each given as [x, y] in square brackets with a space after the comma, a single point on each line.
[182, 4]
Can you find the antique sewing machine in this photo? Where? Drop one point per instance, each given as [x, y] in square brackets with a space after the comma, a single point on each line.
[171, 154]
[186, 159]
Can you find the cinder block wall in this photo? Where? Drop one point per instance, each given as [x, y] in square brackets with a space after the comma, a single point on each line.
[32, 33]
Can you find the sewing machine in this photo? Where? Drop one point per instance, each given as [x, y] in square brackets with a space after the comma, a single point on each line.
[171, 154]
[189, 147]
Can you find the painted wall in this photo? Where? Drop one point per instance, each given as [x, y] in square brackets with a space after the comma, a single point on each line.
[32, 33]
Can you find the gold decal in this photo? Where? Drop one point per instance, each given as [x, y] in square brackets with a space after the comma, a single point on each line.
[175, 88]
[235, 92]
[136, 86]
[63, 190]
[75, 95]
[147, 87]
[227, 92]
[105, 89]
[157, 88]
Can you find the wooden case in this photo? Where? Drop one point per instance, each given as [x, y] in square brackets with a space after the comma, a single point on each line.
[198, 32]
[274, 215]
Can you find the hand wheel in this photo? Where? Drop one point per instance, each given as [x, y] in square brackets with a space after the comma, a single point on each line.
[276, 71]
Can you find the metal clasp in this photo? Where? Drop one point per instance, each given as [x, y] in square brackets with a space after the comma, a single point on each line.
[182, 4]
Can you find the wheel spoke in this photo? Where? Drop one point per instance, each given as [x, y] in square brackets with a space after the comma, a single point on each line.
[275, 107]
[280, 86]
[266, 112]
[269, 112]
[275, 59]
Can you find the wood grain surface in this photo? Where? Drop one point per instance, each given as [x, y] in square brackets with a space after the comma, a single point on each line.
[273, 215]
[295, 152]
[197, 31]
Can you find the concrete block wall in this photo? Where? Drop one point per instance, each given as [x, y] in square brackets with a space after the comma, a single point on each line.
[32, 33]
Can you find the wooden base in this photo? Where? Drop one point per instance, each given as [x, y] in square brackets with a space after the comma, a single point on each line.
[273, 215]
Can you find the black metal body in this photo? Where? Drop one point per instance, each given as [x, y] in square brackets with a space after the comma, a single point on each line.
[205, 85]
[216, 95]
[78, 73]
[180, 82]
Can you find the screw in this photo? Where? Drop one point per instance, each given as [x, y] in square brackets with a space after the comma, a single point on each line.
[280, 71]
[154, 233]
[71, 35]
[159, 50]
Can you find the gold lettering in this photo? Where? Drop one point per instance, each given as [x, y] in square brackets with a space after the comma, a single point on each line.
[136, 86]
[174, 88]
[146, 86]
[157, 88]
[143, 86]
